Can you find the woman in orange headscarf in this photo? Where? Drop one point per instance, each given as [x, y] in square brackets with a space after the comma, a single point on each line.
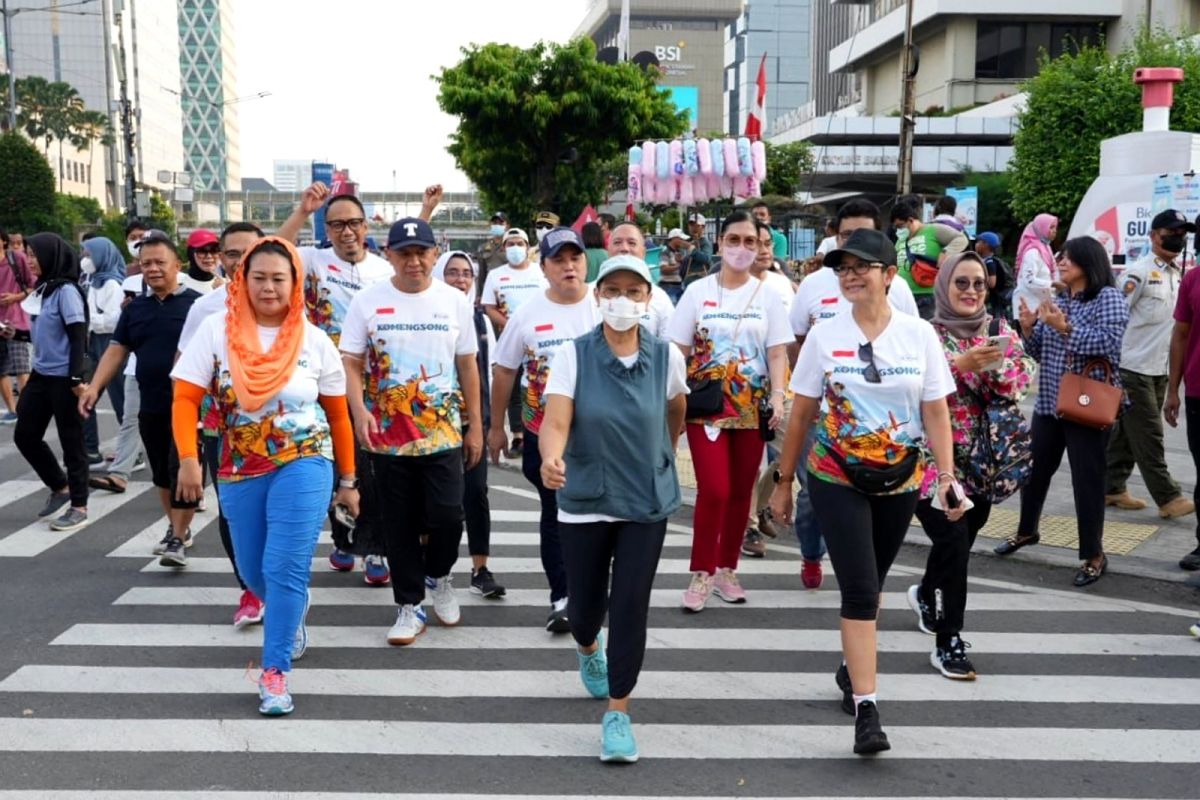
[280, 391]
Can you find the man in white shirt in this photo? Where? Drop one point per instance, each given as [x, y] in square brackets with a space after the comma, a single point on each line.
[627, 239]
[1151, 289]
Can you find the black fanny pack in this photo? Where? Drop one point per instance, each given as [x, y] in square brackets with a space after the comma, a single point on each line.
[706, 397]
[873, 479]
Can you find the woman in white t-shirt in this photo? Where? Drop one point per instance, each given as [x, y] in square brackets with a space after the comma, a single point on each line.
[879, 381]
[734, 333]
[614, 410]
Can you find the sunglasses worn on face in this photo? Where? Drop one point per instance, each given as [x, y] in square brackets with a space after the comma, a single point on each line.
[208, 251]
[339, 225]
[962, 284]
[866, 353]
[858, 267]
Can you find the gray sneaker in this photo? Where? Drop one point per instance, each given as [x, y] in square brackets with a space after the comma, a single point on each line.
[175, 554]
[72, 520]
[161, 547]
[53, 503]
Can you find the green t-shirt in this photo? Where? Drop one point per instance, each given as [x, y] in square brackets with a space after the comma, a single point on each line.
[779, 243]
[923, 243]
[595, 257]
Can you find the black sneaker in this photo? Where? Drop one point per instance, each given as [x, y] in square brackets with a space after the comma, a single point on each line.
[556, 620]
[842, 676]
[1191, 562]
[869, 737]
[53, 503]
[483, 582]
[161, 547]
[95, 459]
[952, 660]
[925, 621]
[175, 554]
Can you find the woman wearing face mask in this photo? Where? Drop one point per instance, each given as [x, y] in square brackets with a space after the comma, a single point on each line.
[202, 274]
[103, 262]
[989, 382]
[457, 269]
[734, 333]
[615, 406]
[506, 289]
[1037, 275]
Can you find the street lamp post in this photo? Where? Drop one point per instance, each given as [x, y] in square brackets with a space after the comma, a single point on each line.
[8, 66]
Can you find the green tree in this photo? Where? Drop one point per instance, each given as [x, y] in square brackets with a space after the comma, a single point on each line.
[1080, 99]
[787, 166]
[536, 127]
[92, 128]
[33, 110]
[74, 215]
[27, 202]
[162, 216]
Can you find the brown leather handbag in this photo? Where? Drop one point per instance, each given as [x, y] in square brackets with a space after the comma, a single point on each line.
[1087, 401]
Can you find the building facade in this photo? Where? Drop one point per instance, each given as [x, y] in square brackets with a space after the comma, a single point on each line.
[208, 71]
[291, 175]
[779, 30]
[687, 39]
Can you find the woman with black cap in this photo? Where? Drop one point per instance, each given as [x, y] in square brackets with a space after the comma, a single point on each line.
[59, 335]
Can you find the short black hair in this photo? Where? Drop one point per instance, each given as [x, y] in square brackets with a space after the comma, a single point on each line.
[760, 204]
[945, 205]
[135, 225]
[741, 215]
[592, 235]
[1091, 257]
[904, 210]
[88, 235]
[348, 197]
[855, 209]
[761, 226]
[4, 237]
[241, 227]
[609, 220]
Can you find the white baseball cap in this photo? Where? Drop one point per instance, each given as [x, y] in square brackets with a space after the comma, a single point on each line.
[697, 218]
[676, 233]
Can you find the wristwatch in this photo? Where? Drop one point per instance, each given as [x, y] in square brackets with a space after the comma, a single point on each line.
[348, 483]
[778, 477]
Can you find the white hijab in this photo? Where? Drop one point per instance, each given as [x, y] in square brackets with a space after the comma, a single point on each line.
[439, 269]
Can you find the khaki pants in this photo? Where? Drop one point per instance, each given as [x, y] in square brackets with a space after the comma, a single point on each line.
[1138, 439]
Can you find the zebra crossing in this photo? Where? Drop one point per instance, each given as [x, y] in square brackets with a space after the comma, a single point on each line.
[146, 690]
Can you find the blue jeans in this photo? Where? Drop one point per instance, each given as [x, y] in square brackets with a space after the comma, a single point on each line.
[673, 290]
[275, 520]
[812, 546]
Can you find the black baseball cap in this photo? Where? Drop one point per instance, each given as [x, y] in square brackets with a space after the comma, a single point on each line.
[500, 215]
[410, 232]
[1172, 220]
[558, 238]
[155, 236]
[865, 243]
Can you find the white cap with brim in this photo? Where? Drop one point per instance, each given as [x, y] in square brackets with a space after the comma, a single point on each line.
[626, 262]
[677, 233]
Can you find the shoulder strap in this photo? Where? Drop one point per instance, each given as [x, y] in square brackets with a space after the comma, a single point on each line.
[12, 264]
[749, 303]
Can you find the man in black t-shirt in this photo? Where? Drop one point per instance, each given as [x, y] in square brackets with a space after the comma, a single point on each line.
[1000, 278]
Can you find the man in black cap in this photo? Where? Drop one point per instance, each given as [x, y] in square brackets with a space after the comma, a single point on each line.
[491, 252]
[1151, 288]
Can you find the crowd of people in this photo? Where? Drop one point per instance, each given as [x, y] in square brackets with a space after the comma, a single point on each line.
[331, 383]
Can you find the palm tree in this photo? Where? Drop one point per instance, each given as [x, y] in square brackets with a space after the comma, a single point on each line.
[64, 111]
[92, 127]
[33, 101]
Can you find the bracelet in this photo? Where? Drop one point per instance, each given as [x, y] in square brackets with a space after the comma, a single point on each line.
[949, 475]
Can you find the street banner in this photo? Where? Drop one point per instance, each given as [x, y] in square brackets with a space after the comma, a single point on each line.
[968, 207]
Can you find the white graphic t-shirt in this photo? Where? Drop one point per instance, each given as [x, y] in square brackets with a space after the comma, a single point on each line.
[331, 283]
[871, 423]
[780, 285]
[530, 339]
[410, 342]
[706, 319]
[508, 289]
[820, 298]
[290, 425]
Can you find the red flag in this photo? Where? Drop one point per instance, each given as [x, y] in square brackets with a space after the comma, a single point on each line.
[754, 122]
[589, 214]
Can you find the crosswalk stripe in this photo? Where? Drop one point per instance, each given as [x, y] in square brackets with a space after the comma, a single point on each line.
[715, 639]
[781, 686]
[140, 544]
[36, 537]
[15, 491]
[529, 494]
[506, 565]
[743, 742]
[183, 596]
[33, 794]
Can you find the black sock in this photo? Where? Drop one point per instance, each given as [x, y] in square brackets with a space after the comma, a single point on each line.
[943, 639]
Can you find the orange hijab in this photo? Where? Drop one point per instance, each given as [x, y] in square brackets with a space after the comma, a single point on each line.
[259, 376]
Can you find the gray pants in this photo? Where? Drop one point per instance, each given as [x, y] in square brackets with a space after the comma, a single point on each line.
[1138, 439]
[129, 440]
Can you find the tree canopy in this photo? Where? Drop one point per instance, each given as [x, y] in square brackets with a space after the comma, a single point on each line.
[1081, 98]
[537, 126]
[27, 202]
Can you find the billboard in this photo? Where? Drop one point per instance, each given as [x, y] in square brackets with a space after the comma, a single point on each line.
[686, 98]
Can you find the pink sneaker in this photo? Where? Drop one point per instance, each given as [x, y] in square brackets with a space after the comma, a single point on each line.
[811, 575]
[250, 610]
[726, 586]
[697, 592]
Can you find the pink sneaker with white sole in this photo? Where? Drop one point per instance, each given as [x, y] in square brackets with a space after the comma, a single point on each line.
[726, 586]
[697, 592]
[250, 610]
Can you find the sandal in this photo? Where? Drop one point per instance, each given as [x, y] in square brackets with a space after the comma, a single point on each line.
[107, 483]
[1089, 573]
[1014, 543]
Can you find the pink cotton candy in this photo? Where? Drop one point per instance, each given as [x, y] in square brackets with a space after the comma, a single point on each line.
[729, 148]
[704, 155]
[686, 195]
[648, 152]
[758, 151]
[634, 190]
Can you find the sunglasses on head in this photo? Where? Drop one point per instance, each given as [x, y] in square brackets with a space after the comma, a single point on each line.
[963, 284]
[866, 353]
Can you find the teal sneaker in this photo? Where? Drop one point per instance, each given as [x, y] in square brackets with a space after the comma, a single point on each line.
[616, 740]
[593, 669]
[274, 694]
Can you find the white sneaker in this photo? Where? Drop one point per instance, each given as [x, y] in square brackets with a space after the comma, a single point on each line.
[445, 602]
[410, 623]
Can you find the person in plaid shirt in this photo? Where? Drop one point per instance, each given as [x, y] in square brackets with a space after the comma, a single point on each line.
[1085, 322]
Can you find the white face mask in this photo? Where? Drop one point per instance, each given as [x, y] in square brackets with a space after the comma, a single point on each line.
[540, 232]
[621, 313]
[738, 258]
[86, 265]
[515, 254]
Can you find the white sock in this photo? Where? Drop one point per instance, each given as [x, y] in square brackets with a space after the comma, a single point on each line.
[560, 604]
[860, 698]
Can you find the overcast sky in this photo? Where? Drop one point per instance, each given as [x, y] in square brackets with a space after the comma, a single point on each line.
[350, 79]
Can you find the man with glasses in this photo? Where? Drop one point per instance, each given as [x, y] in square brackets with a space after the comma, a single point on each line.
[333, 277]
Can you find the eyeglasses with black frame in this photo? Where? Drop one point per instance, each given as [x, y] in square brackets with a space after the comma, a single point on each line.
[866, 353]
[339, 225]
[857, 267]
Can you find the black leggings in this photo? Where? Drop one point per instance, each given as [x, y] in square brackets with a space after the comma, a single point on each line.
[211, 446]
[863, 533]
[476, 509]
[632, 549]
[946, 568]
[45, 398]
[551, 546]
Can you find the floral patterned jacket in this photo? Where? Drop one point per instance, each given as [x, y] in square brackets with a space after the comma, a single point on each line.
[1010, 381]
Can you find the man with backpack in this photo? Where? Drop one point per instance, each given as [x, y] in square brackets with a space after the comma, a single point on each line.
[16, 281]
[1000, 276]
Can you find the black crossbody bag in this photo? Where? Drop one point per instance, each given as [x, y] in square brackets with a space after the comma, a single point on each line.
[706, 396]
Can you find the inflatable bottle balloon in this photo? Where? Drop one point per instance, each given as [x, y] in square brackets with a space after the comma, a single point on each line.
[662, 160]
[677, 165]
[704, 157]
[691, 159]
[717, 146]
[648, 151]
[745, 157]
[758, 152]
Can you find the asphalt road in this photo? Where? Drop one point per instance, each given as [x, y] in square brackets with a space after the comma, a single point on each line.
[119, 679]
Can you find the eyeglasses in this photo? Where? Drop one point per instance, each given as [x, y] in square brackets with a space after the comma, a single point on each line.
[339, 225]
[455, 274]
[962, 284]
[234, 255]
[208, 251]
[866, 353]
[543, 226]
[857, 267]
[637, 294]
